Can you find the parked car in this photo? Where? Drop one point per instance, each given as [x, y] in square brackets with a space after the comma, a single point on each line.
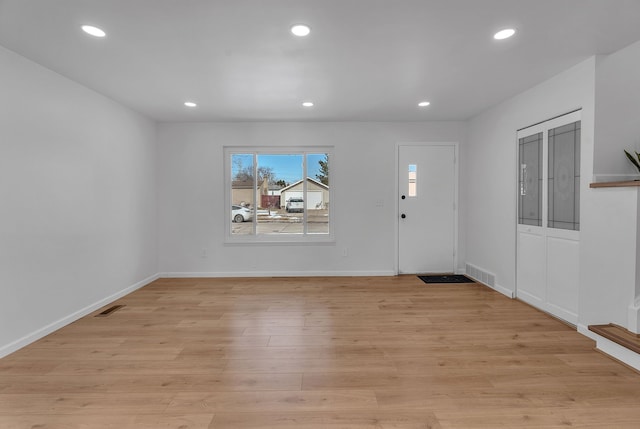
[241, 214]
[295, 205]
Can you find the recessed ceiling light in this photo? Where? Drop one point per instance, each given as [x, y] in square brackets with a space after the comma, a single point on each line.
[301, 30]
[94, 31]
[423, 104]
[190, 104]
[504, 34]
[307, 104]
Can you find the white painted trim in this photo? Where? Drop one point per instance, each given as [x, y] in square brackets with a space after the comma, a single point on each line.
[500, 289]
[503, 290]
[608, 347]
[396, 211]
[584, 330]
[530, 299]
[46, 330]
[633, 316]
[222, 274]
[616, 351]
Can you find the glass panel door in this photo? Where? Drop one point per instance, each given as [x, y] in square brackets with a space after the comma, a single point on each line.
[548, 237]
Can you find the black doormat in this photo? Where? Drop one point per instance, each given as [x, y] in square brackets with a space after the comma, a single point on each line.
[451, 278]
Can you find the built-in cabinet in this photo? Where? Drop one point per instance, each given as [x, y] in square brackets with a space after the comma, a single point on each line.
[548, 237]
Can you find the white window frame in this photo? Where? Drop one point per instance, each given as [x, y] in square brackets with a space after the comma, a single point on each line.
[303, 238]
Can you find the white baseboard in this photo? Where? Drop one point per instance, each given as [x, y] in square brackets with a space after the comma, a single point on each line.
[633, 316]
[46, 330]
[277, 274]
[500, 289]
[505, 291]
[618, 352]
[584, 330]
[608, 347]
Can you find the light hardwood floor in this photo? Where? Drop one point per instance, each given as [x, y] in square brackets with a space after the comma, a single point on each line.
[379, 352]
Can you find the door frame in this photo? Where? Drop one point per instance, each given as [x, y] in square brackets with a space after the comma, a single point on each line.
[456, 202]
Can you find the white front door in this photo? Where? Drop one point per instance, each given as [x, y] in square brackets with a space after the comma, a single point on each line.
[426, 208]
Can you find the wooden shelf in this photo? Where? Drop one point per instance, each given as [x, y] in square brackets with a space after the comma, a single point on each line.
[628, 183]
[619, 335]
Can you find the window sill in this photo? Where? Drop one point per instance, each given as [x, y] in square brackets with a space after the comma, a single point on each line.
[623, 184]
[268, 241]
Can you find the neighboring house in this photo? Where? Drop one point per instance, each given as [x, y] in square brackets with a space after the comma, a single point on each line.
[265, 195]
[317, 194]
[274, 190]
[242, 192]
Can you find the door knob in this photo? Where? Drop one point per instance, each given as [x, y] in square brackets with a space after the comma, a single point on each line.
[403, 197]
[403, 215]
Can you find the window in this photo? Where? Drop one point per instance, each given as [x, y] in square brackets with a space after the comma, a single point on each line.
[530, 201]
[564, 177]
[278, 194]
[413, 184]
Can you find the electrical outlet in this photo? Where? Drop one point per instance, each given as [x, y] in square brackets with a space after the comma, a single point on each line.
[345, 252]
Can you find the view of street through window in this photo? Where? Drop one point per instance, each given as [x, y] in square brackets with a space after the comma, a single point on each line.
[269, 195]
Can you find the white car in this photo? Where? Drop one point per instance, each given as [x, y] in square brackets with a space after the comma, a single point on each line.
[295, 205]
[241, 214]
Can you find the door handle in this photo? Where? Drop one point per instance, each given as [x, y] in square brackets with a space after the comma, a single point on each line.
[403, 197]
[403, 215]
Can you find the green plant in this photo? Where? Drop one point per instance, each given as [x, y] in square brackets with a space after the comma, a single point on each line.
[635, 161]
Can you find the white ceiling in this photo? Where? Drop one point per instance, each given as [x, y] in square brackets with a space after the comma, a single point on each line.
[365, 60]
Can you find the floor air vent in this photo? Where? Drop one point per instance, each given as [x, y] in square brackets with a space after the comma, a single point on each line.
[109, 311]
[480, 275]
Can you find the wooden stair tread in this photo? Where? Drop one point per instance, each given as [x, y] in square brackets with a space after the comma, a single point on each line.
[618, 335]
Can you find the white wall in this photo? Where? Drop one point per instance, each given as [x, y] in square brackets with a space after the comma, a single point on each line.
[611, 266]
[490, 176]
[191, 196]
[617, 111]
[608, 255]
[77, 200]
